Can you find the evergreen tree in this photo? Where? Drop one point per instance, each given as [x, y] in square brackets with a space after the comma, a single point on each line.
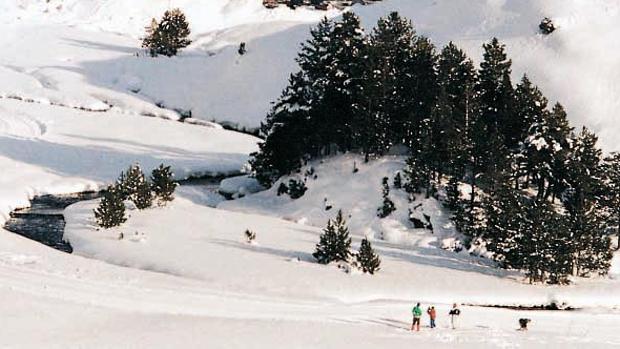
[295, 128]
[419, 133]
[335, 243]
[111, 210]
[591, 247]
[135, 187]
[387, 207]
[612, 191]
[144, 196]
[387, 85]
[533, 130]
[545, 149]
[367, 259]
[560, 132]
[398, 181]
[505, 225]
[493, 134]
[342, 96]
[452, 115]
[545, 244]
[286, 129]
[169, 35]
[130, 181]
[417, 174]
[453, 194]
[163, 183]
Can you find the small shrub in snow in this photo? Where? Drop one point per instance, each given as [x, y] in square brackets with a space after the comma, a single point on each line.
[242, 50]
[388, 205]
[282, 189]
[111, 210]
[367, 260]
[546, 26]
[335, 242]
[296, 189]
[163, 183]
[398, 181]
[168, 36]
[250, 236]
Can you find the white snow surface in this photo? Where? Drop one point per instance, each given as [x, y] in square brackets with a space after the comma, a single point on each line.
[79, 102]
[49, 149]
[93, 43]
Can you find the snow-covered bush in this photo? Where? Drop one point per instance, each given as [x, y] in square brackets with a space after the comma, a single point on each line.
[388, 206]
[250, 236]
[296, 188]
[546, 26]
[168, 36]
[111, 210]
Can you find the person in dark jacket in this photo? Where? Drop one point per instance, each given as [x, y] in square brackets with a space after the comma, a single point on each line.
[454, 314]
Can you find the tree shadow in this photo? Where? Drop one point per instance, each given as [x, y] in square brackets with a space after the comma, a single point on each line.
[284, 254]
[101, 163]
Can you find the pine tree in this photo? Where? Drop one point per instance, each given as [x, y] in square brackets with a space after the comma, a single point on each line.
[612, 191]
[342, 96]
[418, 131]
[143, 198]
[294, 127]
[111, 210]
[417, 174]
[169, 35]
[286, 134]
[387, 207]
[130, 181]
[452, 115]
[544, 245]
[560, 134]
[387, 85]
[367, 259]
[505, 225]
[591, 247]
[398, 181]
[163, 183]
[335, 243]
[453, 194]
[493, 132]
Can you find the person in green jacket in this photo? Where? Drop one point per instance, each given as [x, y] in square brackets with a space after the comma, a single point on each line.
[417, 316]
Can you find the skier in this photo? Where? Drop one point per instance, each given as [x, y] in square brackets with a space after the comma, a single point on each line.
[454, 312]
[417, 315]
[432, 315]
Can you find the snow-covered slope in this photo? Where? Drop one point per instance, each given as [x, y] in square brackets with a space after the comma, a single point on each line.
[575, 65]
[74, 101]
[50, 149]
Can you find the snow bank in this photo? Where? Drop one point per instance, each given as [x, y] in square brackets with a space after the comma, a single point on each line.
[46, 149]
[239, 186]
[575, 65]
[333, 185]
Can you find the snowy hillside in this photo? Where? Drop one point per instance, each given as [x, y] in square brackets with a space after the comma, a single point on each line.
[80, 101]
[215, 83]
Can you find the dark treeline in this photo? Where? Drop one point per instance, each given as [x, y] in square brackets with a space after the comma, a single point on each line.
[542, 197]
